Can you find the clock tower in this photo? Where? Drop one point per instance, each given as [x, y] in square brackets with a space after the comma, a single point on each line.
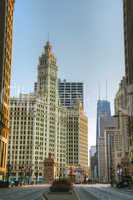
[47, 88]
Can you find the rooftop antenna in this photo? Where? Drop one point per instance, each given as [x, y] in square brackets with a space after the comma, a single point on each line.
[106, 90]
[48, 36]
[99, 91]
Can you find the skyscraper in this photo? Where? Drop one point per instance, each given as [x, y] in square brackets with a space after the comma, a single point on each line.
[104, 123]
[47, 88]
[40, 121]
[27, 140]
[120, 102]
[69, 92]
[103, 110]
[128, 36]
[112, 152]
[77, 137]
[6, 27]
[71, 96]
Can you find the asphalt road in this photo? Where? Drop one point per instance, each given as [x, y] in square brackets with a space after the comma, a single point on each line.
[84, 192]
[102, 192]
[23, 193]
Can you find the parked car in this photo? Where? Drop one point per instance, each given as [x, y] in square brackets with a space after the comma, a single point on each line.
[122, 184]
[4, 184]
[125, 182]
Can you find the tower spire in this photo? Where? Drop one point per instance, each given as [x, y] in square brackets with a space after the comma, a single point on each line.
[48, 37]
[99, 91]
[106, 90]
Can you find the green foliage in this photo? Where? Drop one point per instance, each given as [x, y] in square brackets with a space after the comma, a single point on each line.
[61, 185]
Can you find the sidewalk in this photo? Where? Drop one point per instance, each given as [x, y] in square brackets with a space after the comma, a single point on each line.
[125, 190]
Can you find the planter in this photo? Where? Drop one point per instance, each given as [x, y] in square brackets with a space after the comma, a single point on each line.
[59, 189]
[61, 185]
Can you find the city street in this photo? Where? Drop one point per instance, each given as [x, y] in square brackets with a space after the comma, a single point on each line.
[84, 192]
[102, 192]
[23, 193]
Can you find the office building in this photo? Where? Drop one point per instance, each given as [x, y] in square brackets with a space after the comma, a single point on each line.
[69, 92]
[103, 110]
[71, 96]
[105, 122]
[61, 152]
[47, 87]
[77, 137]
[121, 114]
[6, 30]
[128, 32]
[49, 122]
[53, 129]
[27, 141]
[113, 153]
[55, 121]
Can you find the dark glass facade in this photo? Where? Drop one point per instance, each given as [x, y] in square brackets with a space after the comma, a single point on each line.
[70, 92]
[103, 110]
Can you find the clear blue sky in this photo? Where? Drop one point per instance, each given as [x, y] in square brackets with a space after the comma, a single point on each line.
[87, 38]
